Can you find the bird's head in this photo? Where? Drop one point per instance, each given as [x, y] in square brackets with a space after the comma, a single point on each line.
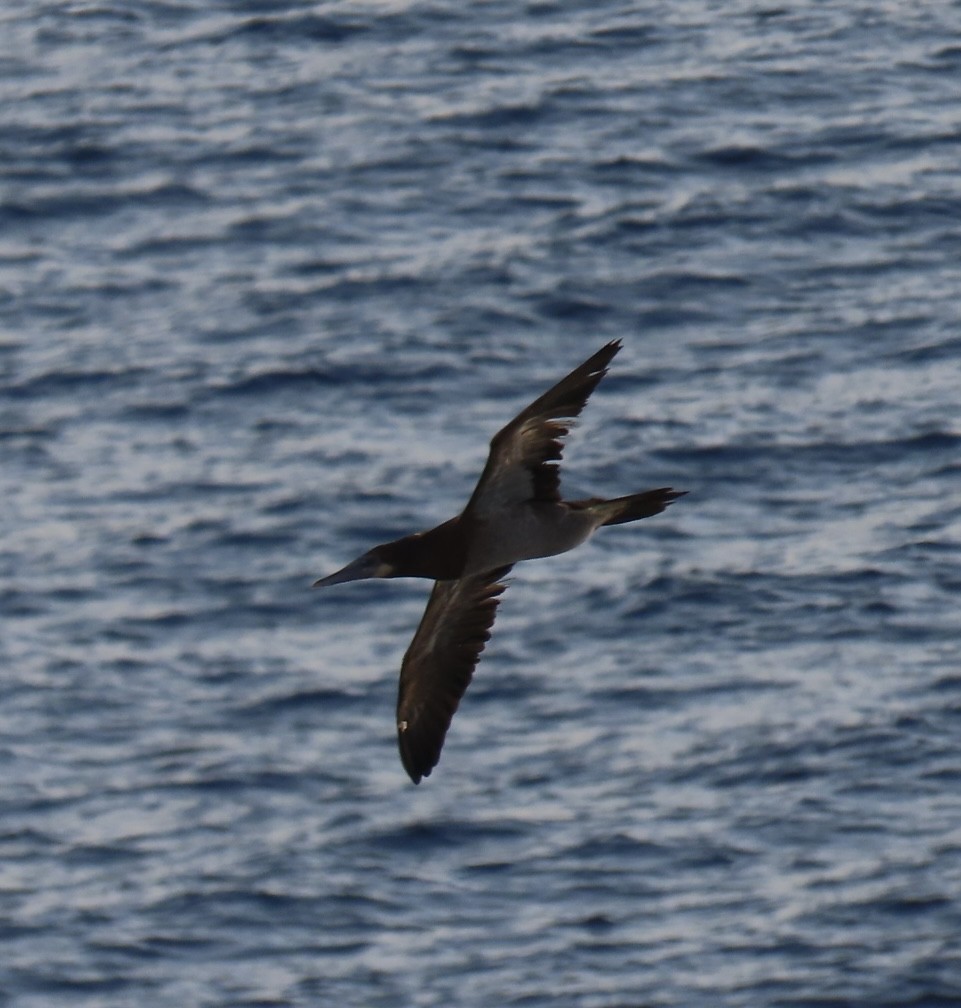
[436, 554]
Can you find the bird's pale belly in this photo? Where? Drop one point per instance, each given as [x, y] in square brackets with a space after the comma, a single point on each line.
[538, 530]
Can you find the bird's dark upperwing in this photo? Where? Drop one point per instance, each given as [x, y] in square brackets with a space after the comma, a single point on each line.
[439, 663]
[521, 465]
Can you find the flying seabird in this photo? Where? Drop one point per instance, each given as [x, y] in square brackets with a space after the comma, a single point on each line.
[515, 513]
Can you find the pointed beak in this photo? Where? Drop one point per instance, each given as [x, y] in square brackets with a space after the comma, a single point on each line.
[367, 566]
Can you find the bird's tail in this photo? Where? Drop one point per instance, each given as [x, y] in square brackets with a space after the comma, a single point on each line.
[631, 507]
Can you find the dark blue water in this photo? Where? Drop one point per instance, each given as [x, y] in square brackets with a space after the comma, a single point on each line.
[270, 277]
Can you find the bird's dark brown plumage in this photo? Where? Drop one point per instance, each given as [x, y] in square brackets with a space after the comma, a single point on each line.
[440, 662]
[515, 513]
[528, 449]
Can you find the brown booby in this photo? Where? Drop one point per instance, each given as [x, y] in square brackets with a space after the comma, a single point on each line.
[515, 513]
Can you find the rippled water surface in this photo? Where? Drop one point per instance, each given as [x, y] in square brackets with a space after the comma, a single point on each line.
[271, 275]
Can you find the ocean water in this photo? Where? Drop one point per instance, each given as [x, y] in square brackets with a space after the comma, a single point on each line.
[271, 275]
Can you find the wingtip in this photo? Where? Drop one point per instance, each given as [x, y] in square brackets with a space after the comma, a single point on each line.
[414, 773]
[413, 766]
[600, 362]
[608, 352]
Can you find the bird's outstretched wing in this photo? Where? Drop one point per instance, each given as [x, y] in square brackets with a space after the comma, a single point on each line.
[522, 465]
[439, 663]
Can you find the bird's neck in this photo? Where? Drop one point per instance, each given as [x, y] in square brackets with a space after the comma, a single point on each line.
[439, 554]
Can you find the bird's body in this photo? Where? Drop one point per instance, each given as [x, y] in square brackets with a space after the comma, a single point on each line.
[537, 529]
[515, 513]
